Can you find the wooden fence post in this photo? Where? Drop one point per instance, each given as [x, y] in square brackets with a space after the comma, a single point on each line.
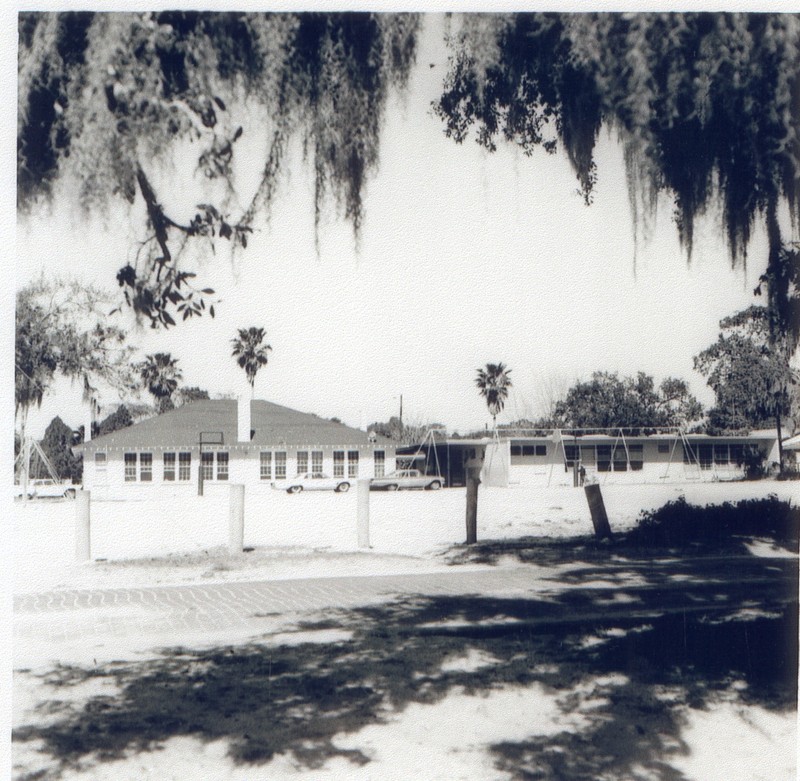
[236, 527]
[473, 481]
[83, 546]
[362, 489]
[598, 510]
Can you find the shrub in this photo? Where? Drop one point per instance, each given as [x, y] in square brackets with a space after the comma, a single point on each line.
[678, 523]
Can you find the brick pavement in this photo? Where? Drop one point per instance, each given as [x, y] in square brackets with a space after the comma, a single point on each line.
[71, 615]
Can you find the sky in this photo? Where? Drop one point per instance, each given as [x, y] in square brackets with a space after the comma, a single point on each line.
[466, 257]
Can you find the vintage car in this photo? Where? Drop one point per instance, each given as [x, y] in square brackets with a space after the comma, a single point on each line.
[406, 478]
[46, 488]
[312, 481]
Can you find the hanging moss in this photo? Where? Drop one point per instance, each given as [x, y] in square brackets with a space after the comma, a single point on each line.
[102, 96]
[705, 105]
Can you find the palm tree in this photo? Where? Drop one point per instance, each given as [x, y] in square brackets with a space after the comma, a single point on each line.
[493, 383]
[160, 375]
[250, 353]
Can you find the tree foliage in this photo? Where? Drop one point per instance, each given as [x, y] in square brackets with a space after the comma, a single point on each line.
[250, 351]
[120, 418]
[705, 106]
[493, 383]
[62, 328]
[57, 443]
[750, 375]
[106, 99]
[188, 395]
[610, 401]
[160, 374]
[409, 432]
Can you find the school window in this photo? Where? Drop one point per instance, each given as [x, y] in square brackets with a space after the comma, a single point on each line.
[169, 466]
[587, 454]
[352, 463]
[146, 467]
[338, 463]
[380, 463]
[620, 459]
[521, 454]
[130, 467]
[207, 466]
[636, 456]
[706, 456]
[280, 465]
[316, 461]
[302, 462]
[208, 462]
[266, 465]
[604, 458]
[663, 447]
[571, 455]
[183, 461]
[100, 461]
[144, 472]
[222, 466]
[721, 454]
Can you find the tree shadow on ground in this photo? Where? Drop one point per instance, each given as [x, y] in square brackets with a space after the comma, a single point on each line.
[624, 660]
[676, 528]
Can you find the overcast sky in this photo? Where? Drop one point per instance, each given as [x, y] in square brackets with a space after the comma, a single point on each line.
[466, 258]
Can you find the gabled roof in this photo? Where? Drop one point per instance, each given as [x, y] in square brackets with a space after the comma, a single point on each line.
[273, 426]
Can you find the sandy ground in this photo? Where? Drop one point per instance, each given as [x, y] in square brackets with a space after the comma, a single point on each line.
[452, 737]
[185, 540]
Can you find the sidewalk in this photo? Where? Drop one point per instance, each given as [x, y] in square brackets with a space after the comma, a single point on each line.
[61, 616]
[68, 615]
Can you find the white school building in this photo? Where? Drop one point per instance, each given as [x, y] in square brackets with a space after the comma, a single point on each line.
[546, 458]
[211, 443]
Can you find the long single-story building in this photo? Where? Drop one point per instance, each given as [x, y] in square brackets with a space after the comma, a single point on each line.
[554, 457]
[216, 442]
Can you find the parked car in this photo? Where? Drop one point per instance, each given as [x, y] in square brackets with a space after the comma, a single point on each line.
[406, 478]
[312, 481]
[47, 489]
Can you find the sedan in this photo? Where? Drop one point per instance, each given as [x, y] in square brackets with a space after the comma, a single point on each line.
[312, 481]
[406, 478]
[45, 488]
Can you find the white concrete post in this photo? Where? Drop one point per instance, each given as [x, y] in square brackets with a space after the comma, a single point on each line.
[82, 526]
[363, 513]
[236, 527]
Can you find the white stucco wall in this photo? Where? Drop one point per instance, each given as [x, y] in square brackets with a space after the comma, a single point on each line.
[244, 466]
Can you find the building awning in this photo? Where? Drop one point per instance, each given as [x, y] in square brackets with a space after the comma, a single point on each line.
[410, 457]
[793, 443]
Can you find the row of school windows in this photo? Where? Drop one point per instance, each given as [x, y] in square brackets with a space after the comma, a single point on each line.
[214, 465]
[620, 458]
[718, 455]
[606, 458]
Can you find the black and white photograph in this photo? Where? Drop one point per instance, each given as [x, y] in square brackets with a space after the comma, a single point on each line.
[402, 393]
